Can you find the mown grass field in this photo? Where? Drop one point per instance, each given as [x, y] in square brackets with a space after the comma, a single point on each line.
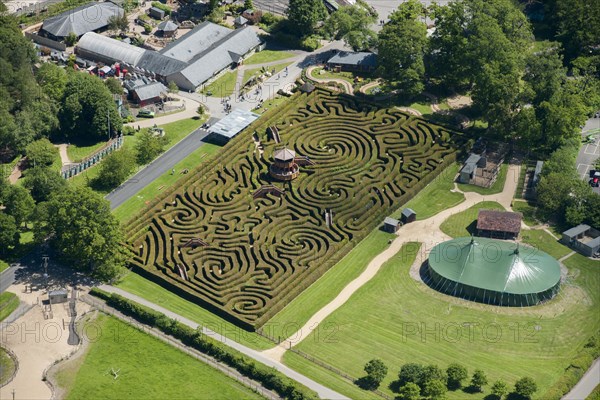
[7, 366]
[3, 265]
[397, 319]
[436, 196]
[249, 73]
[497, 187]
[464, 223]
[149, 368]
[544, 241]
[266, 56]
[223, 86]
[77, 152]
[8, 303]
[528, 211]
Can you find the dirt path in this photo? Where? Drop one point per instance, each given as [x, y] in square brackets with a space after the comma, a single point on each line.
[347, 86]
[426, 231]
[16, 173]
[64, 155]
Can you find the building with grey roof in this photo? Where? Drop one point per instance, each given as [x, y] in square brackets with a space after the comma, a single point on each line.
[149, 93]
[91, 17]
[391, 225]
[231, 125]
[189, 61]
[582, 238]
[353, 61]
[469, 168]
[168, 28]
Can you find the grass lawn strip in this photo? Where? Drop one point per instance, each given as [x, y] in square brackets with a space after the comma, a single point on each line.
[409, 322]
[148, 368]
[266, 56]
[464, 223]
[7, 366]
[8, 303]
[248, 73]
[77, 152]
[527, 210]
[542, 240]
[3, 265]
[223, 86]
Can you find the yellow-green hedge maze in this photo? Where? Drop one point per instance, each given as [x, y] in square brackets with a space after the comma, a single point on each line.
[263, 252]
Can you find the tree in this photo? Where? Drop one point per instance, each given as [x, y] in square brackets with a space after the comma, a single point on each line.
[200, 110]
[410, 391]
[410, 373]
[148, 147]
[499, 388]
[173, 88]
[9, 232]
[248, 5]
[351, 23]
[114, 86]
[83, 232]
[216, 15]
[118, 23]
[434, 389]
[53, 80]
[376, 371]
[433, 373]
[303, 16]
[577, 24]
[525, 387]
[457, 373]
[213, 4]
[41, 153]
[42, 182]
[115, 168]
[71, 39]
[401, 45]
[19, 204]
[87, 108]
[479, 380]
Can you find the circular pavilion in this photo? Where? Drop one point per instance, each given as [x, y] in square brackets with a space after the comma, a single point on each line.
[284, 166]
[493, 272]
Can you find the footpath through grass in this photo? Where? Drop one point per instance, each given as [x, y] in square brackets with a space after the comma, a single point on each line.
[398, 319]
[436, 196]
[464, 223]
[267, 56]
[8, 303]
[497, 187]
[149, 368]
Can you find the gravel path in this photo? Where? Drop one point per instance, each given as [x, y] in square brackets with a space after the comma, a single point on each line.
[347, 86]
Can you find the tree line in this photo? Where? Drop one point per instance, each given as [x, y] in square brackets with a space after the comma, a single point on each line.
[416, 381]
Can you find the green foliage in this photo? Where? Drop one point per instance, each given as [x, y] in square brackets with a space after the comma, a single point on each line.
[310, 43]
[118, 23]
[148, 147]
[410, 391]
[411, 373]
[147, 28]
[9, 232]
[115, 168]
[173, 88]
[479, 380]
[499, 388]
[525, 387]
[41, 153]
[42, 182]
[71, 39]
[82, 231]
[352, 24]
[87, 107]
[376, 371]
[162, 6]
[402, 43]
[248, 5]
[53, 80]
[303, 16]
[435, 389]
[114, 86]
[19, 204]
[457, 373]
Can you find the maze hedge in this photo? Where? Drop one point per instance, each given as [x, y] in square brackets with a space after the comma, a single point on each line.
[263, 252]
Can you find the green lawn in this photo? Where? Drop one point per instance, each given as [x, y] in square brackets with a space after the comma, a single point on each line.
[8, 303]
[248, 73]
[398, 319]
[595, 395]
[320, 73]
[136, 203]
[436, 196]
[464, 222]
[274, 102]
[326, 288]
[78, 152]
[142, 287]
[544, 241]
[7, 366]
[497, 187]
[149, 368]
[421, 106]
[267, 56]
[223, 86]
[3, 265]
[528, 211]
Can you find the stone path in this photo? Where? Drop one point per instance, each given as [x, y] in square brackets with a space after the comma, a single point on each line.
[347, 86]
[190, 111]
[426, 231]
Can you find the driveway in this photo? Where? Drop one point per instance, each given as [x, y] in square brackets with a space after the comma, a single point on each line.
[589, 152]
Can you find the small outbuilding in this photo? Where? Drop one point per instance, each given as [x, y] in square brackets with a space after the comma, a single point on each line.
[469, 168]
[353, 61]
[408, 215]
[149, 94]
[240, 22]
[307, 87]
[391, 225]
[499, 224]
[582, 238]
[156, 13]
[167, 28]
[58, 296]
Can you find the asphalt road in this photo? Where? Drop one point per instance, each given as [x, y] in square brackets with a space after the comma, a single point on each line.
[587, 384]
[322, 391]
[589, 152]
[158, 167]
[7, 277]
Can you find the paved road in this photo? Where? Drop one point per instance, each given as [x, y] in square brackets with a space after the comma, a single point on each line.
[7, 277]
[586, 385]
[322, 391]
[589, 152]
[158, 167]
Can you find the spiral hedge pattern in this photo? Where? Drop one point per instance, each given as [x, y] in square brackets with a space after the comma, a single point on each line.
[263, 252]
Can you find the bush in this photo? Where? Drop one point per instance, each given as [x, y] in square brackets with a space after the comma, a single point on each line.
[162, 6]
[310, 43]
[41, 153]
[147, 28]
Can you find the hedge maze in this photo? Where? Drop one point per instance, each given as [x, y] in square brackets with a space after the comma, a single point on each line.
[245, 257]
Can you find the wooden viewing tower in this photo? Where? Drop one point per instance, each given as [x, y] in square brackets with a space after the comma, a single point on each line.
[284, 167]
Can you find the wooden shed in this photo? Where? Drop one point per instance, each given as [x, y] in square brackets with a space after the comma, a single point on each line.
[391, 225]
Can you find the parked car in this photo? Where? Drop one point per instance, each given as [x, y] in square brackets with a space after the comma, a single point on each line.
[145, 114]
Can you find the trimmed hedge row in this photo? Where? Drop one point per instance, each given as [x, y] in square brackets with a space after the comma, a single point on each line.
[268, 377]
[264, 252]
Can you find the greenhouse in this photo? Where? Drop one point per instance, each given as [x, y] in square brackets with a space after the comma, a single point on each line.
[493, 272]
